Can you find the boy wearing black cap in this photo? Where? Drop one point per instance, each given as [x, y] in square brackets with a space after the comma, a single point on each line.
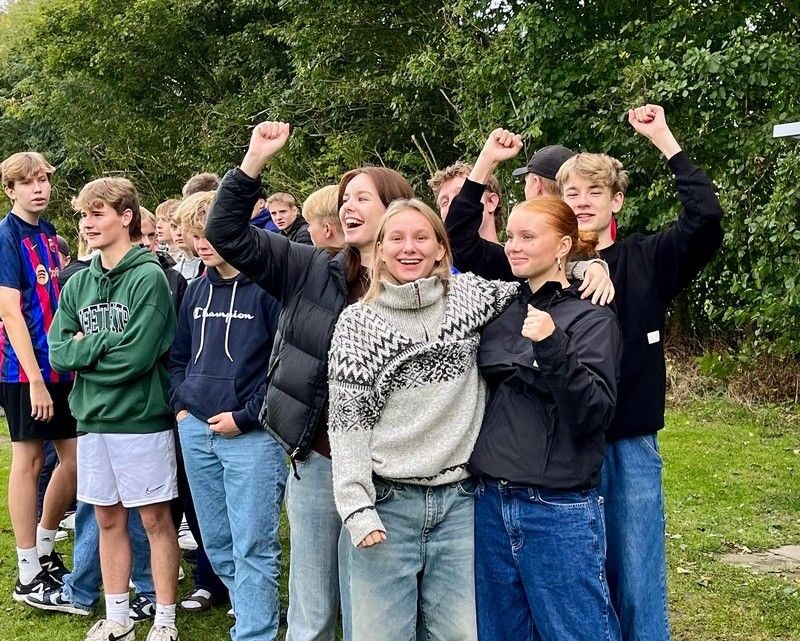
[540, 172]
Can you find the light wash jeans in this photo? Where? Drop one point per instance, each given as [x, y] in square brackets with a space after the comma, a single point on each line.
[636, 563]
[237, 484]
[539, 561]
[319, 549]
[420, 581]
[82, 585]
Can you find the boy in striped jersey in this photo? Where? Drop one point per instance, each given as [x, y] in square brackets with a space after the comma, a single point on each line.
[33, 395]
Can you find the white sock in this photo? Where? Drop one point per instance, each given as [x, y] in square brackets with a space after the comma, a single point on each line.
[45, 540]
[28, 565]
[165, 615]
[117, 608]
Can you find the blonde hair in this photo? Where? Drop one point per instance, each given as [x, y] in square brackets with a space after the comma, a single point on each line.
[192, 212]
[165, 210]
[206, 181]
[117, 193]
[380, 272]
[23, 165]
[323, 205]
[598, 169]
[146, 213]
[282, 197]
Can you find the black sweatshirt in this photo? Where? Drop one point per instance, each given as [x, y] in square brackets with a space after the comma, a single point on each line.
[648, 272]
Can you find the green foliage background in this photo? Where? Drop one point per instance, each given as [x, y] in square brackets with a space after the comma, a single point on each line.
[159, 89]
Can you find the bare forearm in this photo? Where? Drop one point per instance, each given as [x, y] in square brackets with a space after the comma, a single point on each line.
[666, 143]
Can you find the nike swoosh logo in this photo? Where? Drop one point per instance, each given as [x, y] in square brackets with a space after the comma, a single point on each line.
[149, 491]
[121, 637]
[46, 538]
[120, 602]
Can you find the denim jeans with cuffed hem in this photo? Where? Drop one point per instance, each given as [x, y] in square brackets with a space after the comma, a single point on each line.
[82, 585]
[319, 549]
[636, 563]
[420, 581]
[237, 484]
[539, 565]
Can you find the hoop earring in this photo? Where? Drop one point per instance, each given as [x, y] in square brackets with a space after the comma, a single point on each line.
[559, 263]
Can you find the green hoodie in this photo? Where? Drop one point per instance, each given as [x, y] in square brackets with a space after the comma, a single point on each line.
[128, 322]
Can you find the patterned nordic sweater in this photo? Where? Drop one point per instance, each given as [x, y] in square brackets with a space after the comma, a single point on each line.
[406, 397]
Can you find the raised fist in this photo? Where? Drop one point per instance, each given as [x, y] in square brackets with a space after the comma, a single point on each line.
[267, 139]
[648, 120]
[501, 145]
[537, 325]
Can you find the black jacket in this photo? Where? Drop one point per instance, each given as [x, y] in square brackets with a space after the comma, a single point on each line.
[648, 272]
[177, 283]
[551, 401]
[298, 231]
[311, 287]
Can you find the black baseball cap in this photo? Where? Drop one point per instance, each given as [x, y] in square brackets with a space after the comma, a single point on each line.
[546, 161]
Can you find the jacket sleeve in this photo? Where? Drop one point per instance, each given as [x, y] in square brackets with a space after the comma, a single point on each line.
[471, 253]
[581, 372]
[680, 252]
[145, 339]
[65, 353]
[353, 413]
[270, 260]
[179, 356]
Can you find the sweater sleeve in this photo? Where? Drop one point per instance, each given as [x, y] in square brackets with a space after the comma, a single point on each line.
[354, 410]
[65, 353]
[271, 260]
[471, 253]
[146, 338]
[680, 252]
[581, 372]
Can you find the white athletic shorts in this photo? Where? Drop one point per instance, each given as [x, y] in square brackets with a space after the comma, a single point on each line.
[132, 469]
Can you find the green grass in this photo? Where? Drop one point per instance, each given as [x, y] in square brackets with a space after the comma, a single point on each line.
[731, 481]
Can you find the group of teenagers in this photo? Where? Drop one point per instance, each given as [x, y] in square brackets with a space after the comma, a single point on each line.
[471, 426]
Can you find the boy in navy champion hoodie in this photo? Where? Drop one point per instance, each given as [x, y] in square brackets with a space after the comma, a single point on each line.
[236, 471]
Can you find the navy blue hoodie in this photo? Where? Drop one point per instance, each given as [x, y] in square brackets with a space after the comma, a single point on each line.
[221, 350]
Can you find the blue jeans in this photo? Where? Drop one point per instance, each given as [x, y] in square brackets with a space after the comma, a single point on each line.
[424, 568]
[539, 556]
[319, 549]
[636, 563]
[237, 484]
[82, 585]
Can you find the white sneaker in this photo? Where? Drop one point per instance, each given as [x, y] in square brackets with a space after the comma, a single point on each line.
[162, 633]
[105, 630]
[68, 522]
[62, 535]
[231, 613]
[185, 537]
[181, 573]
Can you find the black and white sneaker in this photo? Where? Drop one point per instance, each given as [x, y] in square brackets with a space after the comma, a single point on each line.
[54, 600]
[54, 566]
[141, 609]
[41, 583]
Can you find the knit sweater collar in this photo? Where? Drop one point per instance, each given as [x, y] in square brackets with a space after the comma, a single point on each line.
[418, 294]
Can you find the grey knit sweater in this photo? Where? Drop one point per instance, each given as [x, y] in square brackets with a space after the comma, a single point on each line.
[406, 398]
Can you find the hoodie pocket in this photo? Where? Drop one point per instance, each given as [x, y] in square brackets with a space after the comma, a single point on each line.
[206, 396]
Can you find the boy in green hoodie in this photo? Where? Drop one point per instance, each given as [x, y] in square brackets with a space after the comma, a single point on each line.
[114, 325]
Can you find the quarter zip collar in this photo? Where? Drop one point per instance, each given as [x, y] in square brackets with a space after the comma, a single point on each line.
[417, 294]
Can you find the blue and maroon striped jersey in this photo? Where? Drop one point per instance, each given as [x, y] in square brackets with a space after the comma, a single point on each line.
[29, 263]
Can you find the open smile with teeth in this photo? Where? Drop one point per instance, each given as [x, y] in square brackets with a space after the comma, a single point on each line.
[353, 223]
[410, 261]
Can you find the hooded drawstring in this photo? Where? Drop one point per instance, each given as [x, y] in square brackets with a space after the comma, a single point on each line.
[228, 319]
[104, 287]
[203, 324]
